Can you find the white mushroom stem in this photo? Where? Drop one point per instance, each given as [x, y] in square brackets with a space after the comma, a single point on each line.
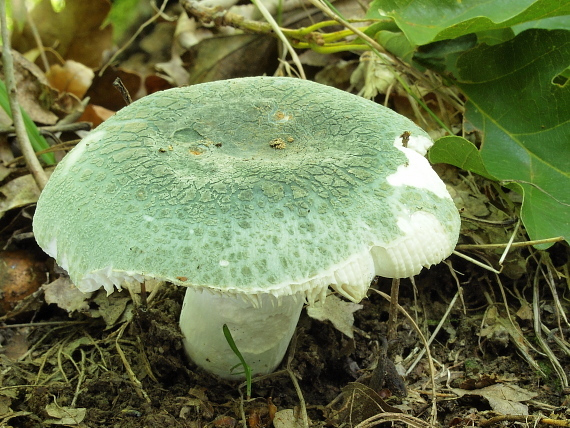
[261, 332]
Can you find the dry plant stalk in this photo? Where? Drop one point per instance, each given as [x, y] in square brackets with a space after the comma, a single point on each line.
[32, 161]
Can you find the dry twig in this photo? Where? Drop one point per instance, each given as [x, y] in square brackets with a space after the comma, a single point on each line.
[25, 145]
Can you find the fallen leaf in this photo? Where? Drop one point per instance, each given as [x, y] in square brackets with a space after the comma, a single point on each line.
[21, 274]
[64, 294]
[287, 419]
[504, 398]
[338, 312]
[72, 77]
[103, 93]
[113, 307]
[65, 415]
[5, 403]
[18, 193]
[34, 92]
[76, 32]
[17, 345]
[95, 115]
[225, 57]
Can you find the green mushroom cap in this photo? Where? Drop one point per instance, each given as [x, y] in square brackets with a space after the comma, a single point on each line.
[253, 185]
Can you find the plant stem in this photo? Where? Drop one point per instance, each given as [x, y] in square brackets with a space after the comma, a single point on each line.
[31, 159]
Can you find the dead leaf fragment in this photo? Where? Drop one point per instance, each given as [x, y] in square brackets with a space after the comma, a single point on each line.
[72, 77]
[360, 403]
[95, 115]
[5, 403]
[103, 93]
[34, 93]
[224, 57]
[18, 193]
[64, 415]
[338, 312]
[504, 398]
[21, 274]
[287, 419]
[67, 296]
[17, 345]
[76, 32]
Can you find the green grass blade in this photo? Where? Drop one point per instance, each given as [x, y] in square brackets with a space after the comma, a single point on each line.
[38, 141]
[246, 368]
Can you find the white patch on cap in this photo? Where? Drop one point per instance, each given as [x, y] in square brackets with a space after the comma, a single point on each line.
[418, 173]
[224, 263]
[417, 143]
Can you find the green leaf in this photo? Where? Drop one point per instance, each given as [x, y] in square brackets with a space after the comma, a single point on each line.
[397, 44]
[525, 121]
[36, 139]
[459, 152]
[441, 56]
[425, 21]
[554, 23]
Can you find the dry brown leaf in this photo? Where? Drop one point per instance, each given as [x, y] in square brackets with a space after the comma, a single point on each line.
[17, 193]
[17, 346]
[96, 115]
[64, 294]
[361, 402]
[76, 32]
[504, 398]
[21, 274]
[104, 94]
[287, 419]
[34, 93]
[65, 415]
[72, 77]
[227, 57]
[154, 83]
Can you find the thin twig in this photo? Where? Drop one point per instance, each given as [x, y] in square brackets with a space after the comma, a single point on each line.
[476, 262]
[269, 18]
[79, 379]
[120, 86]
[58, 127]
[537, 331]
[436, 331]
[153, 18]
[25, 145]
[526, 419]
[38, 40]
[393, 318]
[427, 351]
[43, 324]
[513, 245]
[290, 355]
[136, 383]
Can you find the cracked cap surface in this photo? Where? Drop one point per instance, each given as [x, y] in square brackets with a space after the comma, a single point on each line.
[247, 185]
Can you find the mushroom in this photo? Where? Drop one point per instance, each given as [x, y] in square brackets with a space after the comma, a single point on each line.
[256, 194]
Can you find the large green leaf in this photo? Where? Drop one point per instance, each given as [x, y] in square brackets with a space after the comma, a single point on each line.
[525, 121]
[425, 21]
[459, 152]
